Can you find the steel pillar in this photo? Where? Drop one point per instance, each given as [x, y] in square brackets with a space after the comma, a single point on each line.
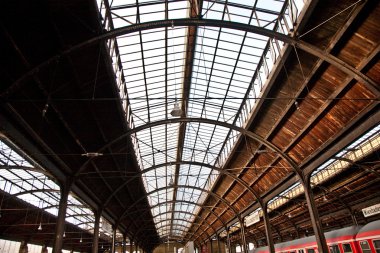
[131, 246]
[23, 247]
[113, 248]
[60, 226]
[218, 241]
[243, 240]
[124, 246]
[228, 241]
[95, 239]
[314, 218]
[268, 229]
[211, 247]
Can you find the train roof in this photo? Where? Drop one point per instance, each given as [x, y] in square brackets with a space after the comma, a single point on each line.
[346, 233]
[369, 229]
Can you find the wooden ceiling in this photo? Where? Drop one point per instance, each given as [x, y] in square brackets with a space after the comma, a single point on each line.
[312, 110]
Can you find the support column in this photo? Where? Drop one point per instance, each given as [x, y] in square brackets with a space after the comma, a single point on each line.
[44, 249]
[243, 240]
[95, 239]
[314, 217]
[124, 246]
[23, 247]
[228, 241]
[60, 226]
[113, 240]
[218, 241]
[211, 247]
[131, 245]
[268, 230]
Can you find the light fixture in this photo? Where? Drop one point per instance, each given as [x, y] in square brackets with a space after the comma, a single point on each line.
[40, 227]
[176, 112]
[92, 154]
[296, 105]
[44, 111]
[80, 238]
[171, 182]
[325, 198]
[289, 215]
[64, 233]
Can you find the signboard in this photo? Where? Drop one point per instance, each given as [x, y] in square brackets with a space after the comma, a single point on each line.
[371, 210]
[252, 218]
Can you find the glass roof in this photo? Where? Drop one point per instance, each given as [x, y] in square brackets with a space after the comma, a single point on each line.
[228, 73]
[27, 180]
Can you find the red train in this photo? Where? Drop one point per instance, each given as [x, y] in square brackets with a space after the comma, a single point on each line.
[354, 239]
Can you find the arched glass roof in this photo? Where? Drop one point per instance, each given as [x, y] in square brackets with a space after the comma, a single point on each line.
[208, 72]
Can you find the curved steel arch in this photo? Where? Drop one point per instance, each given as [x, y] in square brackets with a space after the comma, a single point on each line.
[241, 130]
[190, 163]
[189, 202]
[192, 214]
[210, 193]
[307, 47]
[242, 182]
[178, 186]
[180, 225]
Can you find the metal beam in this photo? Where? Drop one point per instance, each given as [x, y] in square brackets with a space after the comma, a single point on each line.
[307, 47]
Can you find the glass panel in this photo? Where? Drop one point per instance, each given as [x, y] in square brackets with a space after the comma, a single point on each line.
[228, 74]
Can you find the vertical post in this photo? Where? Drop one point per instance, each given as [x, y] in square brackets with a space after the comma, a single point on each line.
[44, 249]
[60, 226]
[124, 247]
[131, 245]
[314, 217]
[113, 239]
[268, 230]
[23, 247]
[95, 239]
[243, 240]
[218, 241]
[228, 241]
[211, 247]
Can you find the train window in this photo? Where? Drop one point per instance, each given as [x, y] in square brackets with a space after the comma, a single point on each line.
[301, 251]
[347, 248]
[334, 249]
[365, 247]
[376, 245]
[310, 251]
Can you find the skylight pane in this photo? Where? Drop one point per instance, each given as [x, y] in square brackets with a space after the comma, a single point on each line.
[226, 72]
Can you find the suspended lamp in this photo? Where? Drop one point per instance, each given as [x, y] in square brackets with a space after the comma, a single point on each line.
[176, 112]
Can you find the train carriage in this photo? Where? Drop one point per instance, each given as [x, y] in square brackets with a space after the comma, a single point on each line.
[354, 239]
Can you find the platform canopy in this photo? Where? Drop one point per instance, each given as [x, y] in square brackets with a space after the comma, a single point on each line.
[176, 121]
